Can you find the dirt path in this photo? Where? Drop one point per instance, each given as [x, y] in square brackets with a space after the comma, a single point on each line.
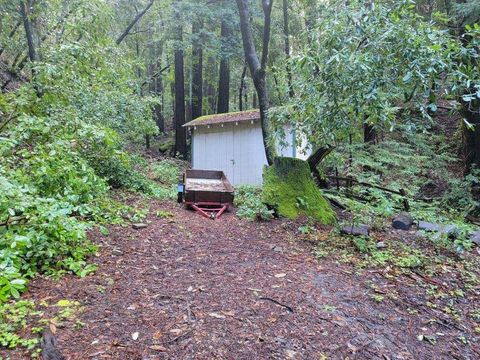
[191, 288]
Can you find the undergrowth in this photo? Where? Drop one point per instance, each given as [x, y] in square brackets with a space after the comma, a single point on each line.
[418, 163]
[249, 204]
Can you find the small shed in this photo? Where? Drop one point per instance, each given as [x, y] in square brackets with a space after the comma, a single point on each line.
[233, 143]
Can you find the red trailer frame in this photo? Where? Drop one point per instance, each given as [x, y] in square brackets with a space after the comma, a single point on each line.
[207, 191]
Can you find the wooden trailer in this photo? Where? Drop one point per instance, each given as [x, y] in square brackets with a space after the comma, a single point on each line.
[206, 191]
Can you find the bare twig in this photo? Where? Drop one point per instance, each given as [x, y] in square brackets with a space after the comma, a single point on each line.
[278, 303]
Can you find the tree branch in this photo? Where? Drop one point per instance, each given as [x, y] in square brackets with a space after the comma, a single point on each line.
[134, 21]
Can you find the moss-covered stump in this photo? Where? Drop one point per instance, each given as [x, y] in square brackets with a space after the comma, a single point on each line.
[289, 188]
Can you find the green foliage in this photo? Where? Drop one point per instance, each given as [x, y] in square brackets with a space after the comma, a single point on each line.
[167, 172]
[374, 63]
[415, 161]
[290, 189]
[249, 204]
[13, 319]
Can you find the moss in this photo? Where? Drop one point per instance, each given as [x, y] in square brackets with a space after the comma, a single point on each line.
[290, 189]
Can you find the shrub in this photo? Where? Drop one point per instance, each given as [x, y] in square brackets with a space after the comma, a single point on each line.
[248, 200]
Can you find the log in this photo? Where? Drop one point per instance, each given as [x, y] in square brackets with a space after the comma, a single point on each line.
[403, 221]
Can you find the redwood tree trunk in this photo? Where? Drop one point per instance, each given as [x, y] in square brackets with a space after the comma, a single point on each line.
[224, 72]
[179, 116]
[197, 71]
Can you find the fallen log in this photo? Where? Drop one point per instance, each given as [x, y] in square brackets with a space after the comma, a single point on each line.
[350, 181]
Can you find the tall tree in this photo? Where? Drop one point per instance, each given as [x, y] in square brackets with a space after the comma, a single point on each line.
[258, 67]
[286, 32]
[26, 11]
[224, 71]
[197, 69]
[179, 115]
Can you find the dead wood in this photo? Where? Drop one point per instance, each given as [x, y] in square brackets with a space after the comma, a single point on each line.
[278, 303]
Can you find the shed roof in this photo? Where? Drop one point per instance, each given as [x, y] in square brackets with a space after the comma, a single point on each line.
[225, 118]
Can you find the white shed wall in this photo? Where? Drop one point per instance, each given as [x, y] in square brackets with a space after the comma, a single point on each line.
[235, 149]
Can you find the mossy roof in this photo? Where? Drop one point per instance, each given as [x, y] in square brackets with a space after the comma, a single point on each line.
[238, 116]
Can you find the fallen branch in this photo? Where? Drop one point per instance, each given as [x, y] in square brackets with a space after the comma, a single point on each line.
[179, 337]
[278, 303]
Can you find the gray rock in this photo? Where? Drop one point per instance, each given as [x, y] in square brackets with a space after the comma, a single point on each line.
[117, 252]
[361, 230]
[428, 226]
[403, 221]
[475, 237]
[278, 249]
[449, 230]
[381, 245]
[139, 226]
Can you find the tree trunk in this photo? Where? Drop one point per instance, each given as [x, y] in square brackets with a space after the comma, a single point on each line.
[179, 116]
[471, 135]
[257, 68]
[156, 86]
[242, 88]
[210, 88]
[25, 10]
[369, 133]
[286, 32]
[224, 72]
[197, 71]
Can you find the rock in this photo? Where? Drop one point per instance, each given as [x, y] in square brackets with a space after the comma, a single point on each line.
[117, 252]
[403, 221]
[278, 249]
[139, 226]
[381, 245]
[475, 237]
[361, 230]
[449, 230]
[427, 226]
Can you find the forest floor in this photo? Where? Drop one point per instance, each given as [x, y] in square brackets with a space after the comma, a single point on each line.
[186, 287]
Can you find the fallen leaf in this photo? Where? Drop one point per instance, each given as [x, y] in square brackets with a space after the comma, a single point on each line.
[176, 331]
[158, 348]
[217, 316]
[281, 275]
[135, 335]
[157, 335]
[53, 328]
